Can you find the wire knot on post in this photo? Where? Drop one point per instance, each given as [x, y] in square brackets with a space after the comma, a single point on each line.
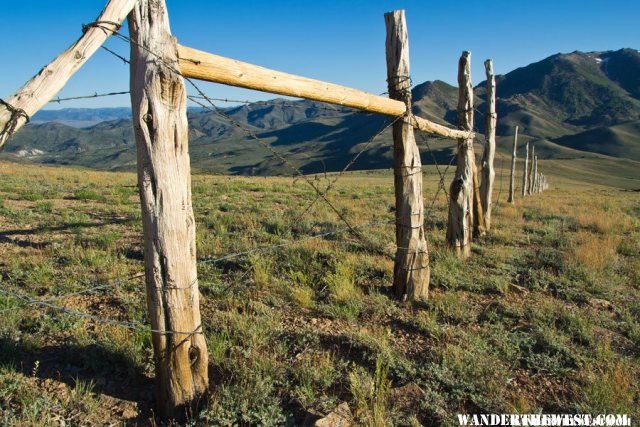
[10, 126]
[101, 25]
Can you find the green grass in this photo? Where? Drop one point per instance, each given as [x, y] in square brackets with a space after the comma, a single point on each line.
[542, 317]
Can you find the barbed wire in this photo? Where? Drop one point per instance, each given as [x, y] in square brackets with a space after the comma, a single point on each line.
[90, 289]
[95, 95]
[347, 167]
[278, 155]
[212, 107]
[30, 301]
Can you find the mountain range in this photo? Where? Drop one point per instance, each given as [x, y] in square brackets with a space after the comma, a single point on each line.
[572, 106]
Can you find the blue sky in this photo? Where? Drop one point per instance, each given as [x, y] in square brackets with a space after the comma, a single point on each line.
[337, 41]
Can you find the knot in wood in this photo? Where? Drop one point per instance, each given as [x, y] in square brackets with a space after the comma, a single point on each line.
[148, 118]
[194, 354]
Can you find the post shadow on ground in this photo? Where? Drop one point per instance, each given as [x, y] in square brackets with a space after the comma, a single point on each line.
[110, 372]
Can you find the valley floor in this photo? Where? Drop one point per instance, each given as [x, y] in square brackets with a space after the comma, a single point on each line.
[545, 316]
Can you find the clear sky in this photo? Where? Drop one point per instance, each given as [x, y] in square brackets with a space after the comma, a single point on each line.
[337, 41]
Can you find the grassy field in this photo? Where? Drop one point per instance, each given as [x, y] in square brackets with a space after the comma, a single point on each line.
[545, 316]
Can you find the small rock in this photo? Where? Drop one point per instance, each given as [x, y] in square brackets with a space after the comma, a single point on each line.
[339, 417]
[600, 304]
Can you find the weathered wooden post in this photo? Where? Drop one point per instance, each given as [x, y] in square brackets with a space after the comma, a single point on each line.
[478, 211]
[158, 99]
[488, 155]
[535, 174]
[460, 224]
[525, 178]
[411, 269]
[531, 172]
[513, 167]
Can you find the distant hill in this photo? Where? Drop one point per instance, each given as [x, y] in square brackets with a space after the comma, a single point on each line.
[81, 117]
[621, 140]
[568, 93]
[574, 105]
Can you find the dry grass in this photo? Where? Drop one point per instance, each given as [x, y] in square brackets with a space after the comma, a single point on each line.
[604, 222]
[596, 252]
[299, 329]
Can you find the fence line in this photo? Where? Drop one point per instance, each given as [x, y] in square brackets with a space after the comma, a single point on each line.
[320, 194]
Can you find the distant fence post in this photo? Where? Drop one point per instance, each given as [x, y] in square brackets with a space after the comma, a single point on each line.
[512, 181]
[478, 211]
[158, 99]
[535, 174]
[460, 222]
[531, 172]
[411, 269]
[525, 178]
[488, 170]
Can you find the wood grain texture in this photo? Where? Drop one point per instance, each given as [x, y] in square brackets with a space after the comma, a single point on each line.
[158, 99]
[460, 221]
[411, 269]
[489, 152]
[218, 69]
[512, 178]
[38, 91]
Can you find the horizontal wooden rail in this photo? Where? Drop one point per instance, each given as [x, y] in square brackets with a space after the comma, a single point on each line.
[214, 68]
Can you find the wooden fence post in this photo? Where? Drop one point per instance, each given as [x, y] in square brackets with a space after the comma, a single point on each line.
[512, 181]
[158, 99]
[531, 172]
[525, 178]
[535, 174]
[488, 171]
[460, 222]
[478, 211]
[411, 269]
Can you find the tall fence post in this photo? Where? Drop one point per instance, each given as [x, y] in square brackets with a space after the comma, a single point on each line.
[460, 222]
[158, 99]
[525, 178]
[512, 181]
[488, 155]
[411, 269]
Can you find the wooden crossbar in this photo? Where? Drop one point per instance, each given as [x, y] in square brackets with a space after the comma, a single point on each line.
[218, 69]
